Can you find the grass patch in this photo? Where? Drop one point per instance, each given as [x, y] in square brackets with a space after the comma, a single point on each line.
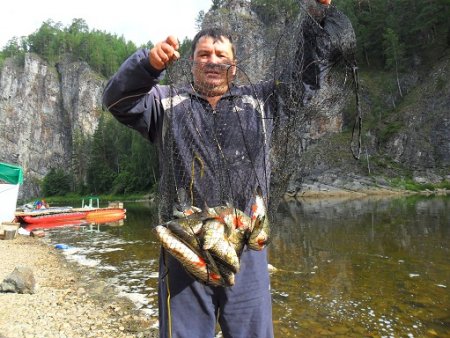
[411, 185]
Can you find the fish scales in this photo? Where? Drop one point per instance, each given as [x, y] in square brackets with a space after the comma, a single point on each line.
[260, 233]
[213, 232]
[192, 262]
[238, 225]
[222, 252]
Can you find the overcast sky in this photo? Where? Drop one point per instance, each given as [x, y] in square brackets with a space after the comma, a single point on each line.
[137, 20]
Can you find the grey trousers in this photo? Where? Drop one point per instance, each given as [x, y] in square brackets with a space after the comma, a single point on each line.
[190, 309]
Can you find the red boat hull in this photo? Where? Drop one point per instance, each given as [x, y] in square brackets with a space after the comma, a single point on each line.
[54, 224]
[68, 216]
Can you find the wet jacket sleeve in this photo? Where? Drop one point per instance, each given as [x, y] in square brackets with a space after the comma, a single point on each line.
[132, 97]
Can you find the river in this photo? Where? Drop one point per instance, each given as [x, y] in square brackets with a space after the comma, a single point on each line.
[342, 268]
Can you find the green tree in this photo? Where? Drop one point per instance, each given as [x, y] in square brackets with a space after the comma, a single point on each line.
[56, 183]
[121, 160]
[81, 149]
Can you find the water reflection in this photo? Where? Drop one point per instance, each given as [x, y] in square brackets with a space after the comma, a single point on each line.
[345, 268]
[357, 268]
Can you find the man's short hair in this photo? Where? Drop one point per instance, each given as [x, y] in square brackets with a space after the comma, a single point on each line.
[217, 33]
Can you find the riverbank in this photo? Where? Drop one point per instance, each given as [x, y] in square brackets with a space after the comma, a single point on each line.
[69, 301]
[352, 191]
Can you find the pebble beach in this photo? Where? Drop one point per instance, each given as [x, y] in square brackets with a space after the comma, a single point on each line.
[69, 301]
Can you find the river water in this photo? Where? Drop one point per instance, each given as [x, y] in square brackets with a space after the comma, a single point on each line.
[344, 268]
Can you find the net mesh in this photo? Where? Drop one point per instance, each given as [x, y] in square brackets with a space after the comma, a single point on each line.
[291, 79]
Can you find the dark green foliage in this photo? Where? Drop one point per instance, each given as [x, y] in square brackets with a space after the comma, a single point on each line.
[409, 184]
[121, 161]
[104, 52]
[418, 26]
[81, 146]
[394, 50]
[56, 183]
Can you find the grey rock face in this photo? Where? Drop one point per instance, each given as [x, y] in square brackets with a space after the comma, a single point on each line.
[41, 107]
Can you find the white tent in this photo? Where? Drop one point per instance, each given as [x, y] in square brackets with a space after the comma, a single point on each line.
[11, 177]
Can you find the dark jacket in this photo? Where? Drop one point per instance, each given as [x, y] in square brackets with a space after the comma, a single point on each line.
[217, 156]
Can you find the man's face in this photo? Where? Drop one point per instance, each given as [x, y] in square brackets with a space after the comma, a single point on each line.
[214, 66]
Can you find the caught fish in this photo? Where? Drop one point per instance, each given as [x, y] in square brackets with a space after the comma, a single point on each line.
[227, 275]
[260, 233]
[222, 251]
[192, 223]
[181, 212]
[225, 253]
[209, 242]
[213, 231]
[187, 235]
[191, 261]
[238, 224]
[233, 218]
[183, 208]
[193, 241]
[260, 236]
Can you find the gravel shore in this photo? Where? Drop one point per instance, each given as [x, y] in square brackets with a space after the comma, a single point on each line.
[69, 301]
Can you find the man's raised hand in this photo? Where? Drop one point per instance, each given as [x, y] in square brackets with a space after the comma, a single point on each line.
[164, 52]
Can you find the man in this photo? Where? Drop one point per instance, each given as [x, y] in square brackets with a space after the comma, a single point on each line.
[203, 150]
[213, 139]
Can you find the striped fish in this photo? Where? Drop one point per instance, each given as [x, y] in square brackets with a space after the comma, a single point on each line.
[191, 261]
[260, 232]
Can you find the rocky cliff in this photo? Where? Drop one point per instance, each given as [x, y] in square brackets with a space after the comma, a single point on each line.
[40, 108]
[408, 142]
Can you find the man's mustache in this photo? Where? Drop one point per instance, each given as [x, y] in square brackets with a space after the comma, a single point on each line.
[211, 66]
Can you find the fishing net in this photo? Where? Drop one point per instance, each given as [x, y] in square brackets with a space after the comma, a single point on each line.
[287, 87]
[292, 76]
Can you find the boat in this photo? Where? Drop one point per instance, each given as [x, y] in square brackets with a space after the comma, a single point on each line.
[51, 216]
[89, 212]
[113, 212]
[104, 214]
[54, 224]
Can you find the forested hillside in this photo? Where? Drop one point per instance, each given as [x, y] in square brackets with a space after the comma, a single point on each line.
[399, 43]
